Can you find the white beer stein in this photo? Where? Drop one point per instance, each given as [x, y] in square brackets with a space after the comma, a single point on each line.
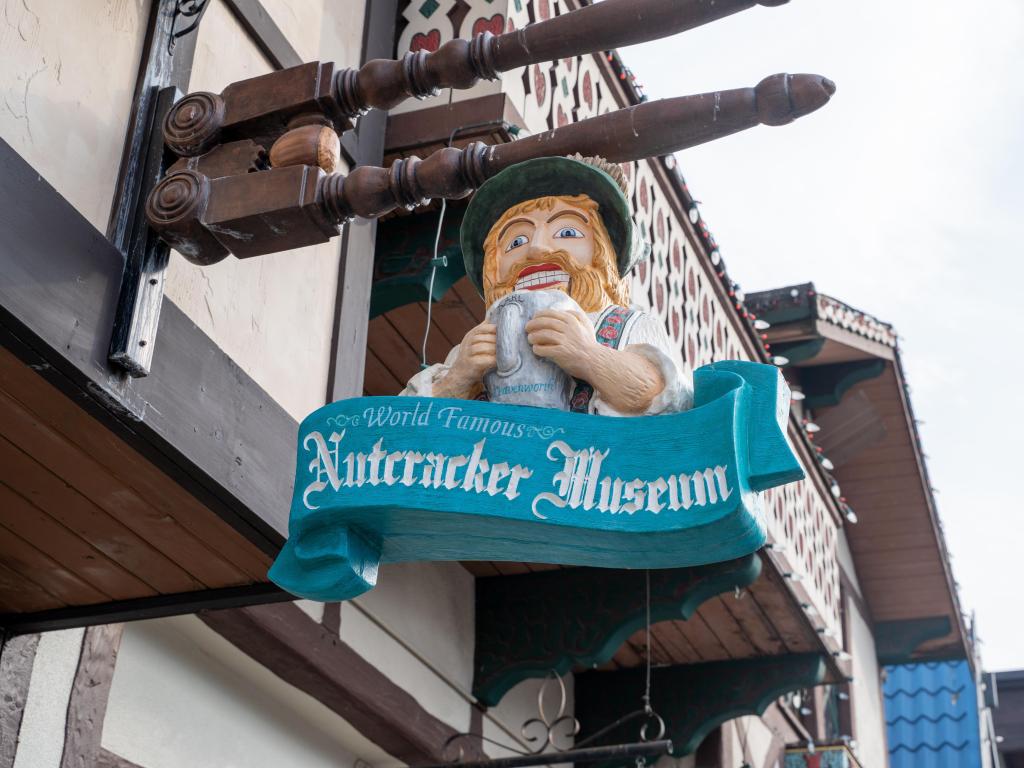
[521, 377]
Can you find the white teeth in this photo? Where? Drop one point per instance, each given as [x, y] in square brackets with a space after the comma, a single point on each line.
[542, 278]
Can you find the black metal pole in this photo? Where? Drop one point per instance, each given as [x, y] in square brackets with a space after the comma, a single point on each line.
[643, 749]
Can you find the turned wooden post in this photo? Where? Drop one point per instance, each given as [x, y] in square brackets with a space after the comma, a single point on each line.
[646, 130]
[263, 108]
[298, 204]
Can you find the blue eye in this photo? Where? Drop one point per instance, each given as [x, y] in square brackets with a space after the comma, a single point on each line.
[568, 232]
[517, 241]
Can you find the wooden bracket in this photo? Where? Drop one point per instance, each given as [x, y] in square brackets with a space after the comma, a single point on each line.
[692, 699]
[209, 206]
[528, 625]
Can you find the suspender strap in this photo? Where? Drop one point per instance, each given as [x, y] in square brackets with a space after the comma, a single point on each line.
[609, 332]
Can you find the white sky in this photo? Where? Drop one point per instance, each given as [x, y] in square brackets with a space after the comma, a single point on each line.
[903, 197]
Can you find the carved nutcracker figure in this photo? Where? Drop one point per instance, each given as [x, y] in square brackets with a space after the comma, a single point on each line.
[534, 234]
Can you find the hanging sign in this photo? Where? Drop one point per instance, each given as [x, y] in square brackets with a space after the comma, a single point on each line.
[391, 479]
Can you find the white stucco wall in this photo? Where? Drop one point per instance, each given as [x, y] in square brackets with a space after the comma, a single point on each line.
[417, 627]
[183, 695]
[273, 315]
[41, 738]
[750, 739]
[67, 77]
[867, 706]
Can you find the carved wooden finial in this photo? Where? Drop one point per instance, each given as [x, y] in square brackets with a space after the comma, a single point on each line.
[308, 145]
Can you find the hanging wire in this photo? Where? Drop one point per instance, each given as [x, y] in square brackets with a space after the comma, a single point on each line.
[443, 260]
[647, 606]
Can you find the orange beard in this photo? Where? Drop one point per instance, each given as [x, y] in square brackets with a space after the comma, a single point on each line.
[586, 286]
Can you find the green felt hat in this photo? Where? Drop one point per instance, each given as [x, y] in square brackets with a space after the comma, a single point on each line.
[542, 177]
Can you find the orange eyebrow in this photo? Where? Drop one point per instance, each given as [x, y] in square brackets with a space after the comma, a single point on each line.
[569, 213]
[514, 221]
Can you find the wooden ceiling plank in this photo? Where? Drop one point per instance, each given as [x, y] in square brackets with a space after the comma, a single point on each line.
[37, 566]
[19, 595]
[470, 298]
[410, 320]
[870, 472]
[678, 649]
[90, 564]
[452, 317]
[660, 653]
[48, 492]
[510, 569]
[627, 656]
[393, 350]
[784, 616]
[755, 625]
[92, 480]
[735, 639]
[896, 542]
[480, 568]
[683, 642]
[703, 639]
[377, 379]
[45, 402]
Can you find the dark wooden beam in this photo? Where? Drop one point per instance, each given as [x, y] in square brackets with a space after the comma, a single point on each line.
[142, 608]
[307, 655]
[268, 37]
[427, 129]
[692, 699]
[529, 624]
[90, 690]
[17, 655]
[355, 274]
[198, 417]
[163, 73]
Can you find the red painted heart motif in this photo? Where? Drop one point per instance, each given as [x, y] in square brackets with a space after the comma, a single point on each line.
[540, 85]
[588, 90]
[426, 42]
[560, 117]
[545, 9]
[494, 25]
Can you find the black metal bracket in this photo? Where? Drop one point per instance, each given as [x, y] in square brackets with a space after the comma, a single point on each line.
[142, 286]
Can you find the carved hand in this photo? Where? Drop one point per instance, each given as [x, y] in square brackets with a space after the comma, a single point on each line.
[565, 338]
[627, 381]
[475, 357]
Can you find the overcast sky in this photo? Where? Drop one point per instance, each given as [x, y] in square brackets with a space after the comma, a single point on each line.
[904, 197]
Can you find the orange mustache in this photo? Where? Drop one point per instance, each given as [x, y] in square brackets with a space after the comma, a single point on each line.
[586, 287]
[560, 259]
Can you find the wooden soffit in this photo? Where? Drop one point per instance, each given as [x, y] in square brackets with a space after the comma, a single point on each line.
[552, 618]
[848, 366]
[120, 498]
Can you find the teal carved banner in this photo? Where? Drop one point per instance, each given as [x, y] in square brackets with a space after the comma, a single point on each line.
[391, 479]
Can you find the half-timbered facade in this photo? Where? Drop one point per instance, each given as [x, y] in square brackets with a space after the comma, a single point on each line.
[139, 513]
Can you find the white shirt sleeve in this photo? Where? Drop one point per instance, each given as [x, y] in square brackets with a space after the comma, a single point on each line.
[646, 336]
[422, 384]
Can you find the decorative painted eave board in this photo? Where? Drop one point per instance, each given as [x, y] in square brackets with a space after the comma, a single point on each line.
[799, 312]
[693, 699]
[530, 624]
[895, 506]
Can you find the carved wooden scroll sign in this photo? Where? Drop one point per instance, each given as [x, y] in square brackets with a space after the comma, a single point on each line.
[256, 173]
[391, 479]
